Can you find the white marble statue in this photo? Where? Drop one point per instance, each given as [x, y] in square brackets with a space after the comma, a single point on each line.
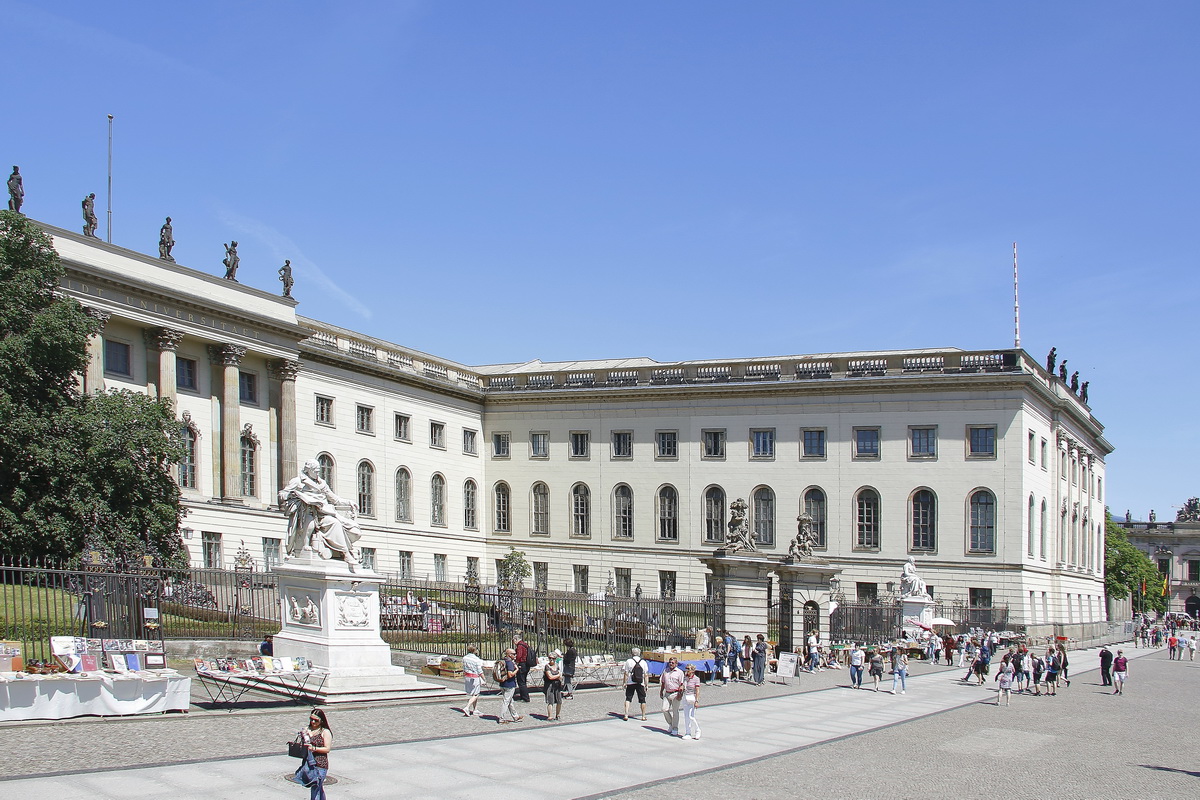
[315, 524]
[911, 584]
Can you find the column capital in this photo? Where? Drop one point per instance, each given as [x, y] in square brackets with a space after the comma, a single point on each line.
[229, 355]
[285, 369]
[99, 314]
[166, 340]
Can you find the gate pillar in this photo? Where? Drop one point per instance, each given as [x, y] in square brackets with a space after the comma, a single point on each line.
[742, 580]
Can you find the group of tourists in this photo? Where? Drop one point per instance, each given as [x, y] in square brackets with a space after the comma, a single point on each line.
[511, 673]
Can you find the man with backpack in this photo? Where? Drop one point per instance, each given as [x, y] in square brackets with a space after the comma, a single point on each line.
[637, 675]
[526, 657]
[504, 673]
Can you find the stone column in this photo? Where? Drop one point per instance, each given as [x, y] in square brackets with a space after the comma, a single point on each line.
[166, 341]
[93, 378]
[230, 357]
[742, 579]
[286, 371]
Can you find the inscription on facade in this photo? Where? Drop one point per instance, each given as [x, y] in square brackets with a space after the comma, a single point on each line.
[132, 301]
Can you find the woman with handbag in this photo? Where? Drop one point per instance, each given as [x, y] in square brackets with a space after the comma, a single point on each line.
[319, 739]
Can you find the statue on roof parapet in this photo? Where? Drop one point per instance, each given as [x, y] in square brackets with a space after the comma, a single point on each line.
[1051, 360]
[16, 190]
[231, 262]
[285, 277]
[166, 241]
[90, 222]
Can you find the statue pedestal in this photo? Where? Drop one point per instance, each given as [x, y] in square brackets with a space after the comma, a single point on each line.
[331, 617]
[917, 611]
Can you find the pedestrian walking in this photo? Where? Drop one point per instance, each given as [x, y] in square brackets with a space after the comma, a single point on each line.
[857, 657]
[734, 659]
[747, 655]
[691, 701]
[1106, 661]
[637, 675]
[504, 672]
[570, 656]
[1004, 679]
[1192, 647]
[1062, 664]
[1120, 672]
[552, 685]
[472, 680]
[1052, 668]
[876, 662]
[1039, 669]
[319, 740]
[670, 690]
[759, 659]
[525, 659]
[721, 661]
[900, 672]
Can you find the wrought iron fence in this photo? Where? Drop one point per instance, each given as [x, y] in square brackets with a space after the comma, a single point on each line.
[881, 621]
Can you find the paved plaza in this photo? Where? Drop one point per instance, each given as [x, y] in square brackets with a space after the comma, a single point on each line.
[812, 737]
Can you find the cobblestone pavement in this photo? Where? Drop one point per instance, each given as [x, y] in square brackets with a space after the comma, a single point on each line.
[1038, 743]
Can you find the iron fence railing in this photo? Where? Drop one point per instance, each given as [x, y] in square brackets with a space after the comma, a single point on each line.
[880, 621]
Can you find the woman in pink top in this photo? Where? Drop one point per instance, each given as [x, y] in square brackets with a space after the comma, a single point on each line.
[691, 701]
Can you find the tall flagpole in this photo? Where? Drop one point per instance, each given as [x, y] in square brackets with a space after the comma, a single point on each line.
[1016, 303]
[110, 119]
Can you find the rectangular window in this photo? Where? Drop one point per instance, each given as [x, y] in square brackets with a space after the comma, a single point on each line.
[469, 439]
[367, 556]
[814, 443]
[117, 358]
[666, 444]
[580, 440]
[541, 575]
[762, 443]
[473, 566]
[1193, 568]
[270, 549]
[1032, 447]
[866, 443]
[1164, 566]
[440, 567]
[580, 572]
[624, 581]
[187, 467]
[539, 445]
[401, 428]
[622, 444]
[867, 592]
[980, 598]
[982, 439]
[186, 374]
[437, 435]
[405, 567]
[248, 388]
[1044, 444]
[364, 419]
[212, 550]
[666, 583]
[922, 442]
[714, 443]
[324, 412]
[501, 445]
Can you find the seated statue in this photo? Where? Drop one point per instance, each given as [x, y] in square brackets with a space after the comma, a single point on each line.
[314, 522]
[911, 584]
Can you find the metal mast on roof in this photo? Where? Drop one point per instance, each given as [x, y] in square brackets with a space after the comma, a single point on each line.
[109, 236]
[1016, 303]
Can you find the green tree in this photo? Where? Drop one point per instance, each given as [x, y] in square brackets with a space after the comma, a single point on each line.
[1127, 569]
[76, 471]
[514, 568]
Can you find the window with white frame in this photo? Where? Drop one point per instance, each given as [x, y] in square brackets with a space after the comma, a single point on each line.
[324, 411]
[624, 581]
[366, 557]
[118, 358]
[668, 514]
[270, 548]
[441, 570]
[211, 542]
[187, 465]
[539, 444]
[437, 435]
[1032, 447]
[866, 508]
[814, 506]
[580, 442]
[403, 495]
[470, 504]
[866, 443]
[469, 441]
[1032, 528]
[666, 444]
[622, 512]
[581, 510]
[981, 441]
[983, 521]
[325, 468]
[402, 427]
[764, 517]
[541, 575]
[248, 388]
[366, 489]
[364, 419]
[437, 500]
[1042, 532]
[666, 583]
[405, 565]
[249, 462]
[503, 509]
[924, 520]
[922, 442]
[713, 442]
[540, 509]
[186, 373]
[1043, 449]
[762, 443]
[622, 444]
[501, 445]
[580, 573]
[714, 514]
[814, 443]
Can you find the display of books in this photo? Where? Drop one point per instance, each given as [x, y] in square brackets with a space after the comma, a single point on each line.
[89, 662]
[117, 663]
[133, 661]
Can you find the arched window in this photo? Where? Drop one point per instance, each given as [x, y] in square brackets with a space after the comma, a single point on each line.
[437, 500]
[366, 489]
[983, 521]
[581, 510]
[866, 513]
[325, 468]
[1042, 532]
[503, 509]
[622, 512]
[668, 514]
[187, 466]
[403, 495]
[1031, 524]
[249, 460]
[714, 514]
[924, 520]
[470, 495]
[814, 506]
[764, 516]
[541, 509]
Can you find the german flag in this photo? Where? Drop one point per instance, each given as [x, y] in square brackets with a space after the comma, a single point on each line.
[1165, 588]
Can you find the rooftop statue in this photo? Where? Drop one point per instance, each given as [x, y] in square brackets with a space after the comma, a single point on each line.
[90, 223]
[319, 521]
[166, 241]
[1190, 511]
[285, 276]
[1062, 371]
[1051, 359]
[16, 190]
[1075, 381]
[231, 261]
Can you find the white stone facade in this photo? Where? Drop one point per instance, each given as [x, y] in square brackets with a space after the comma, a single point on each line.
[923, 432]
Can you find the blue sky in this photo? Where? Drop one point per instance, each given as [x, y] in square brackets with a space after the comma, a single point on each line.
[498, 182]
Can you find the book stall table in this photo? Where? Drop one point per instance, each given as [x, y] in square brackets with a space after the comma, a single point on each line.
[227, 688]
[63, 695]
[656, 661]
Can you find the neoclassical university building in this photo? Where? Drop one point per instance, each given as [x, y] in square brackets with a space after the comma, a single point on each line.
[982, 464]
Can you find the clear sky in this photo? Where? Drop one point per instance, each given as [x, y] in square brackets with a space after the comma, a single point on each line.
[495, 182]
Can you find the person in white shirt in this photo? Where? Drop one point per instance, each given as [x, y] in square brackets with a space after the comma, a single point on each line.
[637, 675]
[472, 679]
[670, 689]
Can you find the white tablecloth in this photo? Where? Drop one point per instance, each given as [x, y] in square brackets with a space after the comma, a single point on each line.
[39, 697]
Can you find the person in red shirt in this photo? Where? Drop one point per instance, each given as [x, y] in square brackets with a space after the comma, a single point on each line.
[1120, 671]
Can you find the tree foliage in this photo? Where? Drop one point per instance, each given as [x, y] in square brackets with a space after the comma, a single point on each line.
[514, 567]
[1127, 569]
[76, 472]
